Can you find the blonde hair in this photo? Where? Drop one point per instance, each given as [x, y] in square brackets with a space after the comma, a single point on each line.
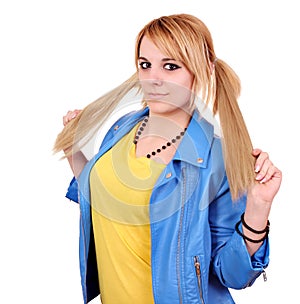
[187, 39]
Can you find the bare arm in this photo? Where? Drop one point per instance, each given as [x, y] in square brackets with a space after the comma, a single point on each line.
[76, 160]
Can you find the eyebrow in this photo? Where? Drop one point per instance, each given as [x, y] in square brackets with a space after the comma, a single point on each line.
[164, 59]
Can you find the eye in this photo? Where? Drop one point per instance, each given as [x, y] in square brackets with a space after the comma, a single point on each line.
[145, 65]
[171, 66]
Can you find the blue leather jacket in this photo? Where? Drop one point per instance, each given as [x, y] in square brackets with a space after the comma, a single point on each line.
[196, 254]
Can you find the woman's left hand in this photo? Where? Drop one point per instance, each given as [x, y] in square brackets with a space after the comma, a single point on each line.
[260, 197]
[268, 177]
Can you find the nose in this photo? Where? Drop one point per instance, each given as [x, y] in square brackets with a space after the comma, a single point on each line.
[157, 82]
[156, 76]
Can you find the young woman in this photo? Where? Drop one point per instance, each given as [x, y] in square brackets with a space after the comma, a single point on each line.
[170, 212]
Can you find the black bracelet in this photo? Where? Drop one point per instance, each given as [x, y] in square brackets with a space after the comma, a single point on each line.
[246, 237]
[267, 228]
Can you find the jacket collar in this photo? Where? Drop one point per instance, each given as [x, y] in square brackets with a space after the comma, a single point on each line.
[195, 145]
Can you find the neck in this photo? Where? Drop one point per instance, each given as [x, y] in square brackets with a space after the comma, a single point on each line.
[159, 135]
[178, 119]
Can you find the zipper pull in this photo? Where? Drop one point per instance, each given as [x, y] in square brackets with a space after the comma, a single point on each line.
[197, 266]
[264, 276]
[198, 274]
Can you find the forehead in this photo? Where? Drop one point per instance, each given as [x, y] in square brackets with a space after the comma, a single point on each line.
[149, 49]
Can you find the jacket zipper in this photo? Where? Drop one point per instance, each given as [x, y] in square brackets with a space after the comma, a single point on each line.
[179, 235]
[198, 274]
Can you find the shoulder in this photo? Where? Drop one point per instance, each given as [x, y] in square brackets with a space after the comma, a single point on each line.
[124, 123]
[130, 116]
[205, 133]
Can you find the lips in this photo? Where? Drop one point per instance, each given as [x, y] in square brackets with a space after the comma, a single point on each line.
[156, 96]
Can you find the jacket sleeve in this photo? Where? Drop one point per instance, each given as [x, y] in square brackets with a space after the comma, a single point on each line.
[231, 261]
[72, 192]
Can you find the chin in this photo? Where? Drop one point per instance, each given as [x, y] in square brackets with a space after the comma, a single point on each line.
[160, 107]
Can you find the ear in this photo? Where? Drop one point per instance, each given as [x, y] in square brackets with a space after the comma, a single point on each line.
[213, 65]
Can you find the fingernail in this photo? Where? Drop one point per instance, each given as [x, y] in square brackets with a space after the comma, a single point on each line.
[258, 177]
[257, 168]
[263, 181]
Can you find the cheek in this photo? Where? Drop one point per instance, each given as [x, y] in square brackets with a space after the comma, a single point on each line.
[181, 89]
[182, 86]
[179, 94]
[144, 80]
[143, 77]
[187, 82]
[145, 86]
[183, 96]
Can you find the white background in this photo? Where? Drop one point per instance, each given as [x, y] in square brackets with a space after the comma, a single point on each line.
[62, 54]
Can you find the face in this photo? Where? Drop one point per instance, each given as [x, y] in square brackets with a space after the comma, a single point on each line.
[166, 83]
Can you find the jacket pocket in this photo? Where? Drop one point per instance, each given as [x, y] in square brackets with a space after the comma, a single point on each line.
[198, 276]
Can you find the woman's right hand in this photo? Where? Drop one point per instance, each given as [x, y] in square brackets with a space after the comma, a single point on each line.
[69, 116]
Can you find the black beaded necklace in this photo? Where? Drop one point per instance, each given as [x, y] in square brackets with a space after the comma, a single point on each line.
[163, 147]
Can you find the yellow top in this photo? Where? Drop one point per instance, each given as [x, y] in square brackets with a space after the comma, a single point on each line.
[121, 185]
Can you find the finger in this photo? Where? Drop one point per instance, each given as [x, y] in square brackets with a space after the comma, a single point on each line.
[260, 160]
[74, 113]
[65, 120]
[262, 165]
[69, 116]
[266, 175]
[256, 152]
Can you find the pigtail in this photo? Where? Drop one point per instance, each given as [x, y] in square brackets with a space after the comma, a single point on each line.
[237, 146]
[80, 130]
